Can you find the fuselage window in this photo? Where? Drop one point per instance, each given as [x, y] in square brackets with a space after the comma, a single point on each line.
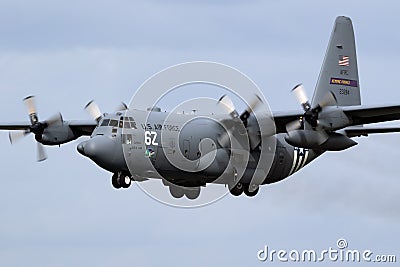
[127, 139]
[113, 123]
[133, 123]
[105, 122]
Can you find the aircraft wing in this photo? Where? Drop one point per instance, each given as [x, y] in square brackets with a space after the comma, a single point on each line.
[283, 118]
[369, 114]
[358, 115]
[14, 126]
[79, 127]
[361, 131]
[82, 127]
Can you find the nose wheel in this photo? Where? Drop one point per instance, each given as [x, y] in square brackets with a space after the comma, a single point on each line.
[121, 180]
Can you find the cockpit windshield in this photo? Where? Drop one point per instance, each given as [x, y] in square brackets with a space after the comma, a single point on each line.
[105, 122]
[113, 123]
[124, 122]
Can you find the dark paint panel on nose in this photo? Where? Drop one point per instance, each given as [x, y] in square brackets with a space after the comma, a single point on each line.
[97, 147]
[104, 151]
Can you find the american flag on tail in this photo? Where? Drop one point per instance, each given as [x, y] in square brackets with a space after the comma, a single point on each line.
[344, 61]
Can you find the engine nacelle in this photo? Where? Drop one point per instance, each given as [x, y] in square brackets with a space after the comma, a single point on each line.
[57, 135]
[311, 140]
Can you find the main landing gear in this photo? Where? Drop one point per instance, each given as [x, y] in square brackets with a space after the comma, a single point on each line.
[121, 180]
[239, 188]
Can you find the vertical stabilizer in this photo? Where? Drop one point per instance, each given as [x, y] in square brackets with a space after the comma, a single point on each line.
[339, 72]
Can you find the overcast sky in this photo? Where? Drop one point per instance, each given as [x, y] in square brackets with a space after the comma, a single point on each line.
[64, 212]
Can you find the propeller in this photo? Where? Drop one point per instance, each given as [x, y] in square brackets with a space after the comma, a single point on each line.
[16, 136]
[310, 119]
[36, 127]
[228, 105]
[253, 104]
[122, 107]
[41, 152]
[93, 109]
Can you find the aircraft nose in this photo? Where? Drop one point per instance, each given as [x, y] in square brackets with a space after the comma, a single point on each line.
[96, 147]
[81, 149]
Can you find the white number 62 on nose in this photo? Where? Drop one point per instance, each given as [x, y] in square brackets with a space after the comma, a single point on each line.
[150, 138]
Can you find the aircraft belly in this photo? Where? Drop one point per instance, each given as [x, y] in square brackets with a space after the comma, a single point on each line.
[289, 160]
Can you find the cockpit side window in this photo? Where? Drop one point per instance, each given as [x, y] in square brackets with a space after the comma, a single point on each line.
[113, 123]
[127, 139]
[105, 122]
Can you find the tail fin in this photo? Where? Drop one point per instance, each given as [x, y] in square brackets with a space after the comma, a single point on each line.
[339, 72]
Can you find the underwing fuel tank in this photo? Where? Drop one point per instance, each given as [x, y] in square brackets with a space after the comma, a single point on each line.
[312, 140]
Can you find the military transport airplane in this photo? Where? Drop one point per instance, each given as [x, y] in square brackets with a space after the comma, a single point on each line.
[127, 141]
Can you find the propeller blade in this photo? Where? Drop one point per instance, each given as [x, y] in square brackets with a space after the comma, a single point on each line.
[16, 136]
[223, 139]
[54, 120]
[252, 105]
[228, 105]
[30, 104]
[301, 96]
[328, 100]
[254, 140]
[121, 107]
[93, 110]
[41, 152]
[294, 125]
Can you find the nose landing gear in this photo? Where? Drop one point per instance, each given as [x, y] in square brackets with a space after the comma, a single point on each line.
[121, 180]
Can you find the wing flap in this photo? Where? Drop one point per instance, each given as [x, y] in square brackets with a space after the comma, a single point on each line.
[365, 115]
[360, 131]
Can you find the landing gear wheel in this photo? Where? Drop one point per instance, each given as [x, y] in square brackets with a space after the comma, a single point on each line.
[176, 191]
[237, 190]
[248, 193]
[192, 192]
[125, 180]
[114, 181]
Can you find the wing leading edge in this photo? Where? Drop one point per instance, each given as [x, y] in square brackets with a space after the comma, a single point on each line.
[358, 115]
[80, 127]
